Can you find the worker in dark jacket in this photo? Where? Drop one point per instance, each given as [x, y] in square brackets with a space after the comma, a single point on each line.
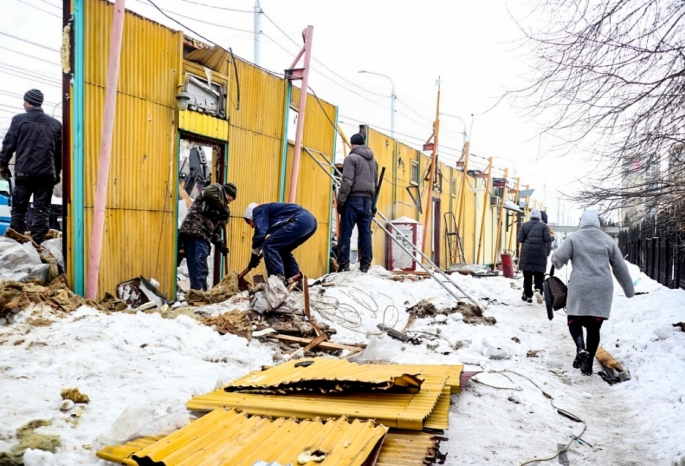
[279, 228]
[534, 236]
[355, 198]
[202, 227]
[36, 140]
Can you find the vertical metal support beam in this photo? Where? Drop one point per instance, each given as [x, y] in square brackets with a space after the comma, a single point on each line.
[66, 133]
[431, 177]
[512, 237]
[462, 197]
[77, 166]
[308, 35]
[499, 222]
[395, 161]
[485, 209]
[105, 149]
[284, 148]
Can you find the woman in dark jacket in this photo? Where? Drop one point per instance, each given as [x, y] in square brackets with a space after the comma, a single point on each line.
[534, 236]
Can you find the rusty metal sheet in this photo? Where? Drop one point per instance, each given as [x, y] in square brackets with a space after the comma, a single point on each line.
[327, 375]
[400, 410]
[230, 437]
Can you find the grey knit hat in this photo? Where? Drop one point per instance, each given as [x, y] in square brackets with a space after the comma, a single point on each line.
[34, 97]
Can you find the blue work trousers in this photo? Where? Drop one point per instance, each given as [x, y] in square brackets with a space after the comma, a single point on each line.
[357, 211]
[197, 251]
[279, 246]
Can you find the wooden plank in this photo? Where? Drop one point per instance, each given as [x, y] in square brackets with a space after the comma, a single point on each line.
[315, 342]
[324, 345]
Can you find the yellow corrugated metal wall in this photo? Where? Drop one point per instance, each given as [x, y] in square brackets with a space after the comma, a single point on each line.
[139, 235]
[254, 151]
[383, 148]
[404, 206]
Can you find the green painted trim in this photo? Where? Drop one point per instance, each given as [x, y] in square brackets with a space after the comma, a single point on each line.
[395, 159]
[174, 287]
[332, 215]
[284, 148]
[418, 159]
[78, 152]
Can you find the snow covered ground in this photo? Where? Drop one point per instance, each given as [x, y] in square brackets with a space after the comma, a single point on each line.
[149, 367]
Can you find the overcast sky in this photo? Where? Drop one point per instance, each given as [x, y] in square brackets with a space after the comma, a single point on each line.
[474, 47]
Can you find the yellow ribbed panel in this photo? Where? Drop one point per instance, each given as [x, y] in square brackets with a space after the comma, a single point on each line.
[122, 453]
[407, 448]
[471, 219]
[404, 206]
[314, 187]
[232, 438]
[204, 125]
[439, 417]
[383, 148]
[333, 369]
[401, 410]
[139, 237]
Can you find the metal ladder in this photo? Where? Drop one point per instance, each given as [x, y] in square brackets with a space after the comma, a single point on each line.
[455, 249]
[434, 271]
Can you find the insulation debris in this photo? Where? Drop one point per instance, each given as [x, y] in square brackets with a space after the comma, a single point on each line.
[221, 292]
[74, 395]
[28, 438]
[15, 296]
[233, 322]
[112, 303]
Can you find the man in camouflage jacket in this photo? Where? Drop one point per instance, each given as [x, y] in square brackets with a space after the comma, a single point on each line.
[202, 226]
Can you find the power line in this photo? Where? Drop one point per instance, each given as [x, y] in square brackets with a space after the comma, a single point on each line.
[31, 72]
[29, 42]
[219, 7]
[30, 56]
[14, 94]
[201, 21]
[10, 73]
[39, 8]
[52, 4]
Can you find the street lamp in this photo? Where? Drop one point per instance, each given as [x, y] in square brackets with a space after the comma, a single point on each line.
[393, 98]
[462, 121]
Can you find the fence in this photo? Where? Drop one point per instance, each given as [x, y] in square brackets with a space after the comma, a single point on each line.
[657, 250]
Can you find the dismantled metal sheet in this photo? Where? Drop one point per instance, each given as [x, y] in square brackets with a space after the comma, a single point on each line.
[402, 447]
[230, 437]
[452, 372]
[400, 410]
[439, 417]
[327, 375]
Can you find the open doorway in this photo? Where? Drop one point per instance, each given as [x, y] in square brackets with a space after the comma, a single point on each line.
[201, 162]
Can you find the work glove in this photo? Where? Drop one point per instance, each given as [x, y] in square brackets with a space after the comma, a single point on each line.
[341, 207]
[255, 259]
[222, 247]
[6, 173]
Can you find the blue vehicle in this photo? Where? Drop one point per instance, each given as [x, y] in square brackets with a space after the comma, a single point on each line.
[5, 202]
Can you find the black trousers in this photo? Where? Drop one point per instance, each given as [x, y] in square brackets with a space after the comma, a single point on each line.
[41, 189]
[528, 277]
[592, 326]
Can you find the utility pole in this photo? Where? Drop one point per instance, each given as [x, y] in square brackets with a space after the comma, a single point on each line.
[393, 98]
[257, 33]
[431, 175]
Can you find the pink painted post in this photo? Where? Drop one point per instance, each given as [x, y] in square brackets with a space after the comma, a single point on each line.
[105, 149]
[308, 35]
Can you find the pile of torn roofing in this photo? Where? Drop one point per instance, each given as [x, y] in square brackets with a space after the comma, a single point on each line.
[311, 411]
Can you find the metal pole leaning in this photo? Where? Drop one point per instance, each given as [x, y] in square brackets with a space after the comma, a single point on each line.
[400, 243]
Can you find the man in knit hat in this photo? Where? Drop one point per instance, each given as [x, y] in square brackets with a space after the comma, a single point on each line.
[202, 227]
[355, 196]
[35, 140]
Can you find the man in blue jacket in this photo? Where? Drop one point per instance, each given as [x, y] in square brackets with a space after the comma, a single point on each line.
[35, 140]
[279, 228]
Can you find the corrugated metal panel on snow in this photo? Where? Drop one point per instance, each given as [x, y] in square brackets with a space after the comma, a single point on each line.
[401, 410]
[229, 437]
[315, 370]
[400, 448]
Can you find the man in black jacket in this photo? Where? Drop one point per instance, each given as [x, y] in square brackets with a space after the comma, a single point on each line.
[355, 196]
[36, 140]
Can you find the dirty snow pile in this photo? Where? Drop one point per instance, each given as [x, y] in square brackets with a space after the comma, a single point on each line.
[139, 370]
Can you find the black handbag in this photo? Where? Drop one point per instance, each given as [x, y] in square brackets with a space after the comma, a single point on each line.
[555, 292]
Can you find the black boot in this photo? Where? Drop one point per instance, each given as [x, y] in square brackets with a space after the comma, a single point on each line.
[581, 357]
[586, 367]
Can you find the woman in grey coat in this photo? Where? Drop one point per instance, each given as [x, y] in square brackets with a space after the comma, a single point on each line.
[594, 255]
[535, 237]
